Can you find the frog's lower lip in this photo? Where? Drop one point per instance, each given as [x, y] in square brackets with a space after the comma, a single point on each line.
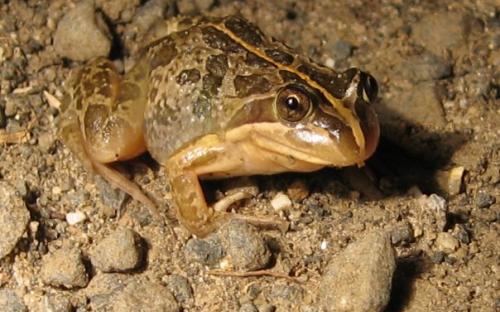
[282, 148]
[311, 146]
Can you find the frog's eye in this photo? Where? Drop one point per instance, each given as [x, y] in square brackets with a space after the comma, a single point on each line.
[292, 104]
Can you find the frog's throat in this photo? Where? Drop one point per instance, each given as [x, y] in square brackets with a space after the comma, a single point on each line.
[348, 116]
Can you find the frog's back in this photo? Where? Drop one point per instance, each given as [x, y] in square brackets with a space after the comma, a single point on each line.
[199, 78]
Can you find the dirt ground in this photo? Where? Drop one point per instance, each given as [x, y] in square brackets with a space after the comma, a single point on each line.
[432, 185]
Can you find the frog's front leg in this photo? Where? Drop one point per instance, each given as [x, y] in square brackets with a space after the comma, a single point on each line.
[215, 156]
[192, 209]
[103, 118]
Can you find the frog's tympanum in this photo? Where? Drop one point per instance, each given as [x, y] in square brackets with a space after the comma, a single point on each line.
[215, 99]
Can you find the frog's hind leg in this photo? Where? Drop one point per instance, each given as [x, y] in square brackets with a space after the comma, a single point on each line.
[104, 122]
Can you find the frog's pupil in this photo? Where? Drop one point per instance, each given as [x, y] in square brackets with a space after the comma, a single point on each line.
[292, 103]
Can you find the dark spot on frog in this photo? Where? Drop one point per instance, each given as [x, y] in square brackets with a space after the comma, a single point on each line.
[217, 65]
[211, 84]
[334, 83]
[163, 54]
[288, 76]
[153, 92]
[244, 30]
[256, 61]
[252, 84]
[280, 56]
[218, 40]
[128, 92]
[87, 86]
[186, 22]
[203, 105]
[77, 96]
[94, 120]
[188, 76]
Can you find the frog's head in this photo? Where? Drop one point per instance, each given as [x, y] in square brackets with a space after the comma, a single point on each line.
[327, 127]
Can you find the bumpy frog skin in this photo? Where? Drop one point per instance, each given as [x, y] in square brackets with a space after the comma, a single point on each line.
[215, 99]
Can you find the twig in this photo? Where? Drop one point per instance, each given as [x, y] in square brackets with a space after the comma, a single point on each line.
[253, 274]
[14, 137]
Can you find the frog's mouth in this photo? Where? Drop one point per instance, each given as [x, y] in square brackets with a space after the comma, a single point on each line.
[313, 145]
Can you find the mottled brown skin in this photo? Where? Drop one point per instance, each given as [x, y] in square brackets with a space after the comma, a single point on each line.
[218, 98]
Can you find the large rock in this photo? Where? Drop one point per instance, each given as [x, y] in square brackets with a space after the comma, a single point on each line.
[360, 277]
[82, 34]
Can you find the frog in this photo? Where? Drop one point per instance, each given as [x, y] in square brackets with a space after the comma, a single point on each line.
[217, 98]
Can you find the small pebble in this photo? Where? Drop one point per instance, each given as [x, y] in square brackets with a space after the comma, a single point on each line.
[446, 243]
[10, 302]
[484, 200]
[207, 251]
[438, 257]
[402, 235]
[142, 293]
[103, 288]
[281, 202]
[14, 218]
[341, 50]
[82, 34]
[56, 303]
[46, 142]
[75, 217]
[248, 307]
[120, 251]
[111, 197]
[64, 268]
[359, 278]
[179, 286]
[297, 190]
[245, 248]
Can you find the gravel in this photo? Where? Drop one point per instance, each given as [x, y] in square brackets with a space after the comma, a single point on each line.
[359, 278]
[64, 268]
[14, 218]
[119, 252]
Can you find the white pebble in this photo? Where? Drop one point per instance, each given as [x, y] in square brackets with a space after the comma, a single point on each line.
[281, 202]
[75, 217]
[323, 245]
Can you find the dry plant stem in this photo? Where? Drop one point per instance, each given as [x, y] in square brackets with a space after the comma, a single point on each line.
[253, 274]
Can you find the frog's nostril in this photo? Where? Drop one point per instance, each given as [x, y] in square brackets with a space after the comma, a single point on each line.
[369, 87]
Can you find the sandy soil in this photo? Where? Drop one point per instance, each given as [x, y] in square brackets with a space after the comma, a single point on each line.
[432, 185]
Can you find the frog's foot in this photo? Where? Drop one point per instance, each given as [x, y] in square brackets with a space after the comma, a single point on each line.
[199, 219]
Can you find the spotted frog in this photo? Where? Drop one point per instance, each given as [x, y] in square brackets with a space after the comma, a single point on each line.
[216, 99]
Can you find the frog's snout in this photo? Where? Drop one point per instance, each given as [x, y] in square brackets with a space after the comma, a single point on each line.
[367, 91]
